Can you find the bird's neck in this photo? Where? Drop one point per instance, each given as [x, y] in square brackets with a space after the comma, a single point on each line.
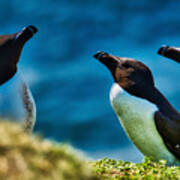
[162, 103]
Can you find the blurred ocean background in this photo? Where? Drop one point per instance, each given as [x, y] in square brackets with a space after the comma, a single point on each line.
[71, 88]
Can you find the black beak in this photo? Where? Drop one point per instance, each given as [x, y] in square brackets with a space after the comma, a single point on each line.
[170, 52]
[25, 34]
[108, 60]
[99, 54]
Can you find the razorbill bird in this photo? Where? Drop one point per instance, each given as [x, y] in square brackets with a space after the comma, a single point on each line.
[16, 101]
[149, 120]
[170, 52]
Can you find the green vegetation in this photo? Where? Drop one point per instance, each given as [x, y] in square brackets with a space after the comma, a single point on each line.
[24, 157]
[149, 170]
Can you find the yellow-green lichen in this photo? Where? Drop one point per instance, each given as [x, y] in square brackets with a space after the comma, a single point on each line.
[29, 158]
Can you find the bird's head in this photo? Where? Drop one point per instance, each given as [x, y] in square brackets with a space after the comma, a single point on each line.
[10, 51]
[132, 75]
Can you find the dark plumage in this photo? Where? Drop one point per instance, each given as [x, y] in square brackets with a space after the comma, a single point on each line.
[10, 51]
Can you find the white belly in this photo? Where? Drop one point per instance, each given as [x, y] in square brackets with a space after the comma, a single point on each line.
[137, 118]
[12, 106]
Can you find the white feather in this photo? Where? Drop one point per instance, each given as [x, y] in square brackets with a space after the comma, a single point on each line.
[136, 115]
[12, 105]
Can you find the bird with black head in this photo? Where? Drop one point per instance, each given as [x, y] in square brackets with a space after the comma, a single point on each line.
[16, 101]
[147, 117]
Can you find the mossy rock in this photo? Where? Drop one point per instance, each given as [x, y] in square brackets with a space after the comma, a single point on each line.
[24, 157]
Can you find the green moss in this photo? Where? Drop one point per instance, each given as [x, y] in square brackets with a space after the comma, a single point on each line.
[24, 157]
[115, 170]
[29, 158]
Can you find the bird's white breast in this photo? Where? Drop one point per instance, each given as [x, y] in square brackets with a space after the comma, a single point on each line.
[137, 118]
[12, 105]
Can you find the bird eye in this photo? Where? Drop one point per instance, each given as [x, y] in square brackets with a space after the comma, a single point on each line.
[125, 65]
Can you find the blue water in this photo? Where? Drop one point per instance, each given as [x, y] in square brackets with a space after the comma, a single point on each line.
[71, 88]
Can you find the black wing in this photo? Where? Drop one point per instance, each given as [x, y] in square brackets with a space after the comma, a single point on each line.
[170, 132]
